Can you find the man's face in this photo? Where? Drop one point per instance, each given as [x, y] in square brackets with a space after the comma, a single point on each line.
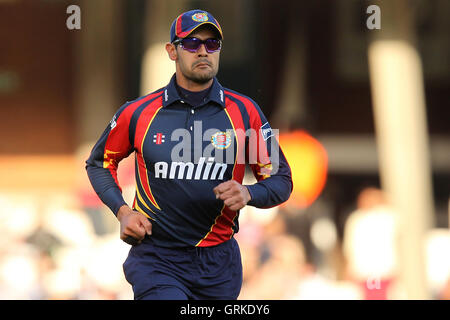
[200, 66]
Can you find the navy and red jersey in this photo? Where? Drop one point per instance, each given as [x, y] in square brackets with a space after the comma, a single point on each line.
[181, 153]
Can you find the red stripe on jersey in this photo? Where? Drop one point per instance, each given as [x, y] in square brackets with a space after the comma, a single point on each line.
[117, 144]
[237, 122]
[222, 229]
[142, 126]
[262, 154]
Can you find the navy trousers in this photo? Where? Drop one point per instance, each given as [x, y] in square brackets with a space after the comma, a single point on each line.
[200, 273]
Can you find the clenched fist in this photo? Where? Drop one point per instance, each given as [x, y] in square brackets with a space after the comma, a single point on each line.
[133, 224]
[234, 195]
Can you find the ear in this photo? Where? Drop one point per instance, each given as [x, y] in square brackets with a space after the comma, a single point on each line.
[171, 51]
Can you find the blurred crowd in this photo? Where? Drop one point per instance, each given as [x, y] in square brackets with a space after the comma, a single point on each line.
[363, 265]
[49, 249]
[65, 245]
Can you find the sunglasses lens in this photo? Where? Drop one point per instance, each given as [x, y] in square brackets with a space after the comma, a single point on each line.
[212, 45]
[192, 44]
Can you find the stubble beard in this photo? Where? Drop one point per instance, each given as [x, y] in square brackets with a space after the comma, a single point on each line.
[198, 77]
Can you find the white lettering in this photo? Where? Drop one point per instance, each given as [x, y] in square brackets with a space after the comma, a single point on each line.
[197, 310]
[198, 172]
[208, 167]
[374, 21]
[161, 169]
[217, 167]
[182, 166]
[74, 20]
[198, 143]
[182, 150]
[202, 171]
[373, 283]
[238, 309]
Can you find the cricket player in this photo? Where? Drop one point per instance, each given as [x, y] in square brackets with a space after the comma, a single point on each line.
[192, 141]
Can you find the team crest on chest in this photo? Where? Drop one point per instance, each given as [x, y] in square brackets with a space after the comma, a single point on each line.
[200, 17]
[221, 140]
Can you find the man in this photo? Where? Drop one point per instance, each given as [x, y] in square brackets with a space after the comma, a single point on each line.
[188, 196]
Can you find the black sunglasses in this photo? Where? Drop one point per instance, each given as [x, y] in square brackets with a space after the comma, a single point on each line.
[193, 44]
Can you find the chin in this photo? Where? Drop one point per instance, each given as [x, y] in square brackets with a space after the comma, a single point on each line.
[202, 78]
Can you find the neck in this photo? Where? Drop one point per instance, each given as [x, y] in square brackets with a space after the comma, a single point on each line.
[190, 85]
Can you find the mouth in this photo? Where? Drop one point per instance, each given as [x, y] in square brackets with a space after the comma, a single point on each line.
[202, 65]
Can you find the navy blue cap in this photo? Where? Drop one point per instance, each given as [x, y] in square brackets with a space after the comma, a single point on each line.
[188, 21]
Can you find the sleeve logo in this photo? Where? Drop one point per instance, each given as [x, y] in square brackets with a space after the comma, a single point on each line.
[266, 131]
[113, 122]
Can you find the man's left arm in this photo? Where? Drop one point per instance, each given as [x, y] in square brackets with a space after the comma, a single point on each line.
[269, 166]
[268, 163]
[274, 188]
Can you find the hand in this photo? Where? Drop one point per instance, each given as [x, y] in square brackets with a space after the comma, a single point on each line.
[234, 194]
[133, 224]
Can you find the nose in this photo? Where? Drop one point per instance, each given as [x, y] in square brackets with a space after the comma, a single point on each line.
[201, 52]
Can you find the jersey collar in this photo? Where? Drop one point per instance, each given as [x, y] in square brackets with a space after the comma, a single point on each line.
[170, 93]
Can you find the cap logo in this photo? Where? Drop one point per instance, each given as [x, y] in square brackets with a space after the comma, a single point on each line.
[200, 17]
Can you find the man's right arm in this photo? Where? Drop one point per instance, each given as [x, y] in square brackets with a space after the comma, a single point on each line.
[133, 225]
[113, 145]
